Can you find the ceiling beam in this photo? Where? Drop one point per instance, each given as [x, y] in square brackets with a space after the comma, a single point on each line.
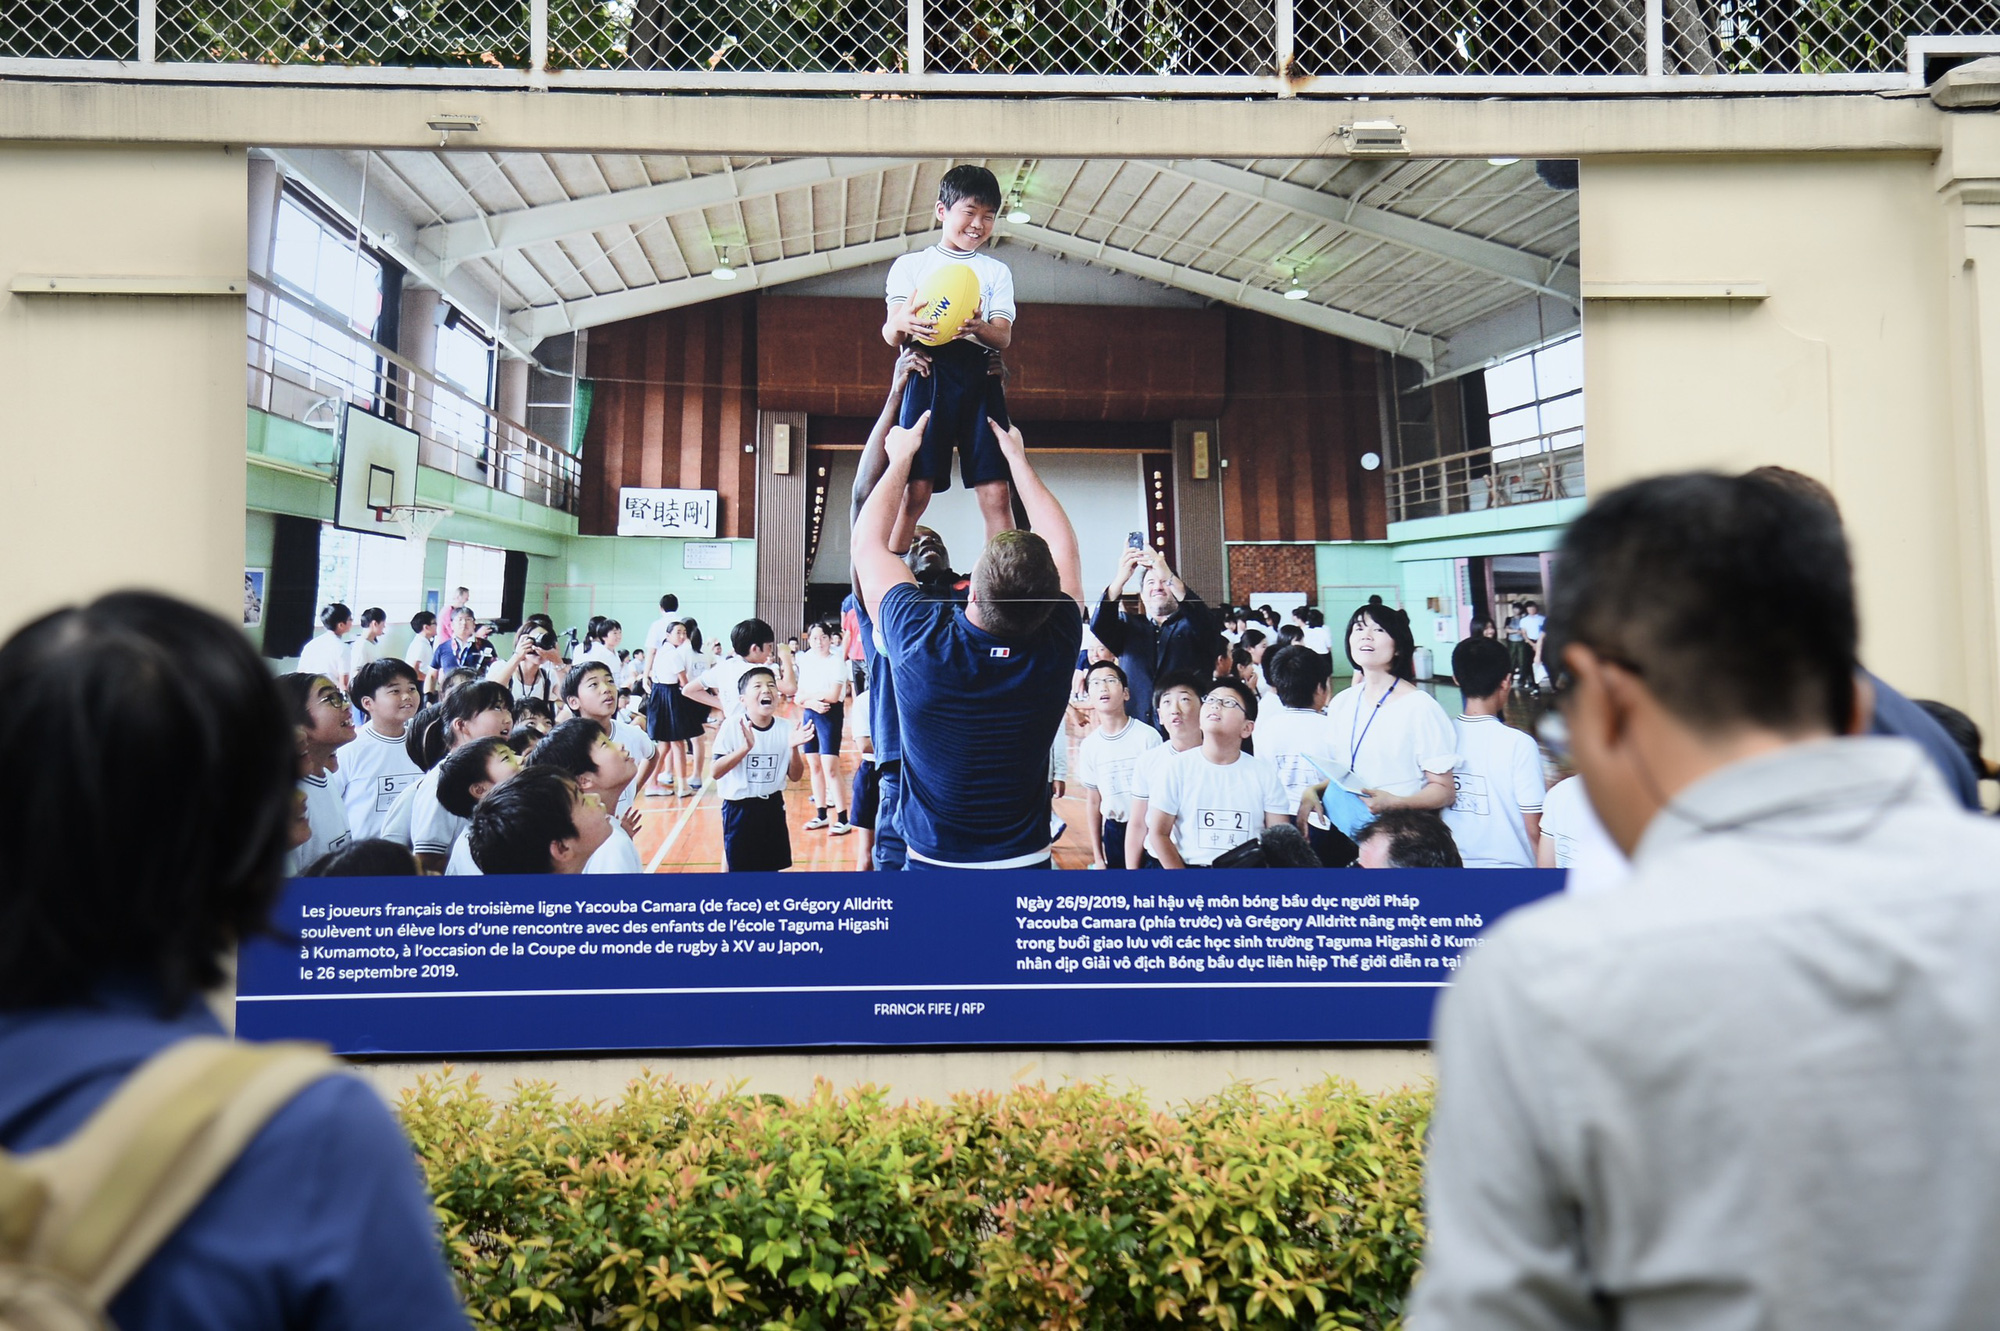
[1410, 342]
[539, 321]
[339, 184]
[451, 243]
[1551, 277]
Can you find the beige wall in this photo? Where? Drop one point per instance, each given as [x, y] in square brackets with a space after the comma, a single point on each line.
[121, 416]
[1843, 371]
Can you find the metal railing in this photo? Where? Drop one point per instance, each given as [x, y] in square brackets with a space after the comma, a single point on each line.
[304, 363]
[1023, 47]
[1469, 482]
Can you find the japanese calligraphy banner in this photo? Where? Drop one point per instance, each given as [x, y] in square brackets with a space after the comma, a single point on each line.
[643, 512]
[461, 965]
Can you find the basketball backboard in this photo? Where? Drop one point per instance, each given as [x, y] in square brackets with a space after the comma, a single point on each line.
[378, 473]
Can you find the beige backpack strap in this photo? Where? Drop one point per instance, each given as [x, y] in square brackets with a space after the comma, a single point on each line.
[121, 1184]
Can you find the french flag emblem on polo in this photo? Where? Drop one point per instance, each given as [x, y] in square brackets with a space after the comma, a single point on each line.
[1002, 652]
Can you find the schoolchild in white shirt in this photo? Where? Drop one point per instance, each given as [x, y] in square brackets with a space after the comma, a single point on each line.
[479, 709]
[591, 692]
[326, 654]
[472, 771]
[756, 754]
[1212, 799]
[1177, 707]
[323, 724]
[376, 767]
[603, 768]
[1104, 761]
[822, 691]
[423, 642]
[1294, 735]
[538, 822]
[1496, 818]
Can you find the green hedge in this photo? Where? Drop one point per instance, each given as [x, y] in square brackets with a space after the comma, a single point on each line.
[1073, 1208]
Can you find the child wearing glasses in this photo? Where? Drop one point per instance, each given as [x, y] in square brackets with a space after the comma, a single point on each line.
[322, 723]
[1213, 798]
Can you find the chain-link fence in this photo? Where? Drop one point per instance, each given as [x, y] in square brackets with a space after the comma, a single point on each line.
[1024, 40]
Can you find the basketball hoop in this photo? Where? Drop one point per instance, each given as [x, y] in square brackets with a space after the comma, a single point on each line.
[416, 522]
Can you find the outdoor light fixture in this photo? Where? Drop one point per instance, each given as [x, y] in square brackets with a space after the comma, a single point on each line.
[448, 123]
[722, 272]
[1375, 138]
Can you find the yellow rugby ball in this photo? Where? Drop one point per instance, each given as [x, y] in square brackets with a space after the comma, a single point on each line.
[948, 297]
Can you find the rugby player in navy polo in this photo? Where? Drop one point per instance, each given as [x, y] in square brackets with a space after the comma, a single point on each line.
[980, 688]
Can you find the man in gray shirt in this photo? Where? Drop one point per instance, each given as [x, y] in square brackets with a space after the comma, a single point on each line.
[1756, 1088]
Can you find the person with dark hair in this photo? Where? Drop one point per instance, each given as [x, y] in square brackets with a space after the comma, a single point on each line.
[656, 637]
[752, 643]
[1407, 839]
[117, 915]
[326, 654]
[602, 768]
[1389, 735]
[371, 857]
[466, 777]
[1640, 1092]
[822, 699]
[1177, 705]
[525, 735]
[756, 754]
[322, 726]
[1293, 735]
[1280, 846]
[1893, 713]
[601, 639]
[672, 720]
[366, 647]
[534, 669]
[1104, 762]
[1176, 632]
[375, 766]
[477, 710]
[1217, 796]
[980, 689]
[1496, 816]
[466, 648]
[591, 693]
[956, 401]
[423, 642]
[1964, 732]
[538, 822]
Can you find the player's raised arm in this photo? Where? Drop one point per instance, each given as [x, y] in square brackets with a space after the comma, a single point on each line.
[877, 568]
[875, 453]
[1045, 514]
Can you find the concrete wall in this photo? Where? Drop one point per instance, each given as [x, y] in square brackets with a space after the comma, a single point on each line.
[124, 414]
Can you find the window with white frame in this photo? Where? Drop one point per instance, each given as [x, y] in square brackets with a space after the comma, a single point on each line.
[480, 568]
[323, 267]
[465, 361]
[361, 570]
[1534, 400]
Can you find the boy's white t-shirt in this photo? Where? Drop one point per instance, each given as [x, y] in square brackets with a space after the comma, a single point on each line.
[1146, 770]
[603, 655]
[1105, 762]
[461, 863]
[1583, 847]
[726, 674]
[762, 773]
[1319, 639]
[325, 655]
[361, 651]
[418, 654]
[375, 770]
[820, 675]
[1287, 737]
[1391, 749]
[996, 280]
[1216, 807]
[1499, 778]
[426, 826]
[635, 742]
[618, 854]
[326, 814]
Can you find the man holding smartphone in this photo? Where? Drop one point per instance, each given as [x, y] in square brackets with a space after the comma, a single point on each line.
[1177, 630]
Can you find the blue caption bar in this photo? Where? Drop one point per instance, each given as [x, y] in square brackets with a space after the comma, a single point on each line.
[738, 961]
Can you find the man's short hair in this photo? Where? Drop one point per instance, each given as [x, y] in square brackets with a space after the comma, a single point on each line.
[514, 825]
[969, 182]
[371, 857]
[570, 747]
[573, 681]
[422, 620]
[1731, 596]
[1418, 839]
[136, 683]
[669, 603]
[464, 769]
[334, 616]
[463, 612]
[1016, 584]
[1296, 673]
[378, 674]
[1236, 686]
[749, 635]
[751, 676]
[1180, 679]
[1480, 665]
[1112, 666]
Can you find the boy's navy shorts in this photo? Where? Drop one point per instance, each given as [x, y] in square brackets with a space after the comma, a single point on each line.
[754, 836]
[866, 798]
[960, 396]
[825, 727]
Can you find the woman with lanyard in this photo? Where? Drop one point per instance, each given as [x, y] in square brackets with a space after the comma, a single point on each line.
[1397, 742]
